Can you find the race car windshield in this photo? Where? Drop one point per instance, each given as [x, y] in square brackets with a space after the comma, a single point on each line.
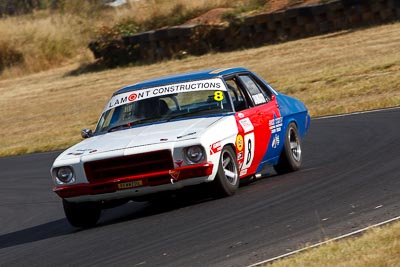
[166, 107]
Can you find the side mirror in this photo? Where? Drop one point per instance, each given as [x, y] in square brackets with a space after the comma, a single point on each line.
[86, 133]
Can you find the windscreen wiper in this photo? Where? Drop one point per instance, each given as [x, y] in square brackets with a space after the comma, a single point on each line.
[125, 125]
[129, 124]
[193, 112]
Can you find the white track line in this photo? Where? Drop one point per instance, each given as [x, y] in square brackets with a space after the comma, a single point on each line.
[323, 243]
[354, 113]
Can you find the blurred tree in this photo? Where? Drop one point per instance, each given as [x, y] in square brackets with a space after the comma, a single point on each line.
[17, 7]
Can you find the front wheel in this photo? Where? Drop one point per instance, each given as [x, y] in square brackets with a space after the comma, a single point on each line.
[84, 214]
[226, 181]
[290, 158]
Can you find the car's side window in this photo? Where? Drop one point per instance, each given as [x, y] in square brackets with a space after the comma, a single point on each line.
[266, 91]
[258, 95]
[239, 100]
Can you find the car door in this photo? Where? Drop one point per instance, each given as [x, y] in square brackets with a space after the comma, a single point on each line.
[256, 114]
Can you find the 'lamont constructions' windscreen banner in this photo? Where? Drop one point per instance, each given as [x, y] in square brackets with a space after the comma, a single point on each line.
[202, 85]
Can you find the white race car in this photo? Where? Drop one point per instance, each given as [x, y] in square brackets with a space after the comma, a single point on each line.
[216, 127]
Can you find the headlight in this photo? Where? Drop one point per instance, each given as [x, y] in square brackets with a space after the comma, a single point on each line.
[64, 175]
[194, 154]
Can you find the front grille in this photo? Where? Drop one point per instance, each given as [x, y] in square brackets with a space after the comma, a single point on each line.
[126, 166]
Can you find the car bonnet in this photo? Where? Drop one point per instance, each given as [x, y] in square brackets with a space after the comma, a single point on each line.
[141, 136]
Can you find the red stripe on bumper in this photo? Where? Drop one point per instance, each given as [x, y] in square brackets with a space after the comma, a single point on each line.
[151, 179]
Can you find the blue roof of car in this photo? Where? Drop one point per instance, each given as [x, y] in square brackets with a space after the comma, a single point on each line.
[179, 78]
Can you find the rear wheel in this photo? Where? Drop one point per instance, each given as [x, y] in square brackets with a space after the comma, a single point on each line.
[226, 181]
[85, 214]
[290, 158]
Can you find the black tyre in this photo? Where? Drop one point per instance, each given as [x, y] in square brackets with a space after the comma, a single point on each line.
[84, 214]
[226, 181]
[290, 158]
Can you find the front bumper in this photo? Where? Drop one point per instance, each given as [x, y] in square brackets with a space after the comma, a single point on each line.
[137, 185]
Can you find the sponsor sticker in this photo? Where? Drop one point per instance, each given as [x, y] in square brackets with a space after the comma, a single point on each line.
[246, 125]
[179, 163]
[240, 115]
[202, 85]
[240, 165]
[239, 142]
[258, 99]
[243, 172]
[174, 174]
[275, 141]
[215, 148]
[275, 125]
[240, 155]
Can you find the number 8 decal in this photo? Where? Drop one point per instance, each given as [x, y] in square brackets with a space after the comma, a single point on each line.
[249, 157]
[249, 150]
[218, 96]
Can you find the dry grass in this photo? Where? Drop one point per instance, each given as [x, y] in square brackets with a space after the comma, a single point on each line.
[45, 40]
[332, 74]
[49, 39]
[379, 247]
[154, 8]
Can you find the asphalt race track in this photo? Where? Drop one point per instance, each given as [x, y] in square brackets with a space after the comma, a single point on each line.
[350, 179]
